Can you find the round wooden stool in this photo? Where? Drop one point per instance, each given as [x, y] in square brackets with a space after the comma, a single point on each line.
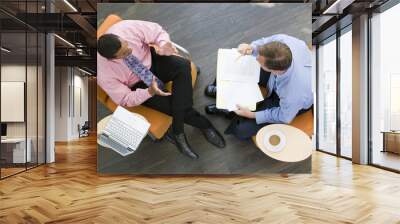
[284, 142]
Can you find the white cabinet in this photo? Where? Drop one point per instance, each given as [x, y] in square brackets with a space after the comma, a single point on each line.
[17, 146]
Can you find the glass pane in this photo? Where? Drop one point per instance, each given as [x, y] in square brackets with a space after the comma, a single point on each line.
[13, 85]
[327, 96]
[31, 98]
[23, 87]
[385, 84]
[31, 86]
[346, 93]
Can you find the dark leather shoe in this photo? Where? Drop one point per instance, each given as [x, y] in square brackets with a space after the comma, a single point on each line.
[181, 142]
[211, 91]
[214, 137]
[213, 110]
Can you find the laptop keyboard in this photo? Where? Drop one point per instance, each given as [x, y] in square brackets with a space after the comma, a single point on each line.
[124, 134]
[114, 145]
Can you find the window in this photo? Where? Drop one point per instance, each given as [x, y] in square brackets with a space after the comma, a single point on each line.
[385, 89]
[327, 96]
[22, 77]
[346, 92]
[334, 106]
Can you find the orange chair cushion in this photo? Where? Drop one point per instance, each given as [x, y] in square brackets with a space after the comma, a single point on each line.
[159, 122]
[107, 23]
[304, 122]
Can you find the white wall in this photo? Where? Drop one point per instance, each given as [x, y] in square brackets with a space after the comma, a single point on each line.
[61, 104]
[16, 73]
[70, 83]
[34, 124]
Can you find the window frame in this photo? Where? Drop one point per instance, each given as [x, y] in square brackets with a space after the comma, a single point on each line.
[381, 9]
[336, 35]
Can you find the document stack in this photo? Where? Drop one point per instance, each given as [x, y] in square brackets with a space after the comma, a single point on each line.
[237, 80]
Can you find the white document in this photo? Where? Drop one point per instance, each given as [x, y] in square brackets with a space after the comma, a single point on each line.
[237, 80]
[236, 67]
[230, 94]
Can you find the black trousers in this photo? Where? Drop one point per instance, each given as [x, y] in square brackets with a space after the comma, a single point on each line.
[244, 128]
[180, 104]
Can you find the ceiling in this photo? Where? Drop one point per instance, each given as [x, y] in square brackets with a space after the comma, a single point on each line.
[74, 22]
[330, 15]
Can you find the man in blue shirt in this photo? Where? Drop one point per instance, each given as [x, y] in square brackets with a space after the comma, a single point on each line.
[286, 70]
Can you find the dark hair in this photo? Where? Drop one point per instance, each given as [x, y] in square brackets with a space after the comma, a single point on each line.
[277, 55]
[108, 45]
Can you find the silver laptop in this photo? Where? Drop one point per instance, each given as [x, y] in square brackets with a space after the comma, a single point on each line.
[124, 131]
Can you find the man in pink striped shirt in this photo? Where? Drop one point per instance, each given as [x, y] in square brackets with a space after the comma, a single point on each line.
[132, 72]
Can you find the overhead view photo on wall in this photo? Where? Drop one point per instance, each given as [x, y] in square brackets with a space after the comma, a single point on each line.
[204, 88]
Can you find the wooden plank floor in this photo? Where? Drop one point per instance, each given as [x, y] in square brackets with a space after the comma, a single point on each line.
[70, 191]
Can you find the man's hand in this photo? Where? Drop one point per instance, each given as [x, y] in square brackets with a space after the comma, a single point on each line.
[245, 49]
[244, 112]
[167, 49]
[154, 90]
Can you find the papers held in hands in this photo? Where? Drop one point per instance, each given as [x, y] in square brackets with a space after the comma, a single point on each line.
[237, 80]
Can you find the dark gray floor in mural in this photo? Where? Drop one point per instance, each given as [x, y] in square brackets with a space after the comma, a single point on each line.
[202, 29]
